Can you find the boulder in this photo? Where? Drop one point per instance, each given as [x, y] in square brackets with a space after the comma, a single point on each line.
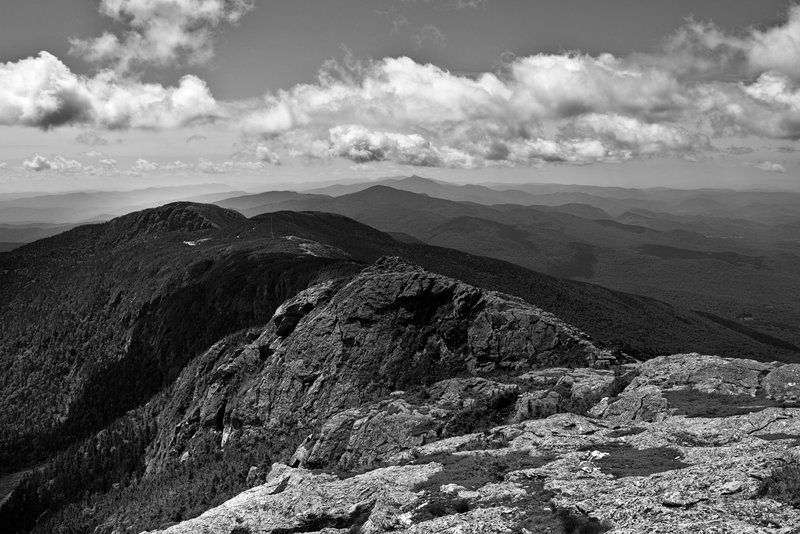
[642, 404]
[708, 374]
[783, 383]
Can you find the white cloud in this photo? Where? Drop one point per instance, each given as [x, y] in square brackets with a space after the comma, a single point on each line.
[265, 154]
[635, 136]
[39, 163]
[41, 91]
[770, 166]
[567, 107]
[143, 165]
[702, 48]
[160, 32]
[362, 145]
[3, 165]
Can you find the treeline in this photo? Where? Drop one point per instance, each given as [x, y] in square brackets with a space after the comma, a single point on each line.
[112, 456]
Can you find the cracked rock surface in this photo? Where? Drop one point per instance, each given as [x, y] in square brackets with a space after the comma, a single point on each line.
[408, 402]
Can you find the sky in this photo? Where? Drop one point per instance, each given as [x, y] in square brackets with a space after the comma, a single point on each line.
[120, 94]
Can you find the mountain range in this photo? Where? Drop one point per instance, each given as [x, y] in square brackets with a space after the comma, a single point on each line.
[737, 268]
[157, 364]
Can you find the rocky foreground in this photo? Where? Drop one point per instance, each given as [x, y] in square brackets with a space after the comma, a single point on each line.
[493, 442]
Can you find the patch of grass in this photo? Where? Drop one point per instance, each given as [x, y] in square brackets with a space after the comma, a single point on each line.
[693, 403]
[473, 471]
[783, 485]
[573, 523]
[626, 461]
[535, 511]
[486, 441]
[483, 415]
[441, 505]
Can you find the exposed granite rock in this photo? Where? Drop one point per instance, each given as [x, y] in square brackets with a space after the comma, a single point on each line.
[783, 383]
[363, 437]
[568, 390]
[708, 374]
[296, 500]
[642, 404]
[713, 490]
[398, 366]
[335, 348]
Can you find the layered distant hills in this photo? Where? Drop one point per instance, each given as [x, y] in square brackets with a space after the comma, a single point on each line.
[730, 254]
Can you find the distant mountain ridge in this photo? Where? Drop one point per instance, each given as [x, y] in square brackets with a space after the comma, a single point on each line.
[737, 266]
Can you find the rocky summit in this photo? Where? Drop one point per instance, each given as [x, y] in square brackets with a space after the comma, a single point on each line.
[626, 470]
[404, 401]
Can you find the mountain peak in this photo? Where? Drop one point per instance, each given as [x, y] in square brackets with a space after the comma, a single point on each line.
[173, 217]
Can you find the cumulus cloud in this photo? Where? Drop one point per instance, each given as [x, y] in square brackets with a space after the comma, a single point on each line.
[143, 165]
[769, 166]
[703, 49]
[39, 162]
[41, 91]
[400, 110]
[401, 92]
[265, 154]
[362, 145]
[568, 107]
[160, 32]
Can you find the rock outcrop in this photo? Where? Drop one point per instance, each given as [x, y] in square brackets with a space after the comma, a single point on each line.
[408, 402]
[627, 480]
[335, 348]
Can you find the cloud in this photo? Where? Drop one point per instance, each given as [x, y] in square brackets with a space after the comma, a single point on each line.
[429, 33]
[39, 163]
[362, 145]
[402, 92]
[569, 107]
[3, 165]
[769, 166]
[740, 150]
[91, 139]
[397, 109]
[143, 165]
[196, 137]
[703, 49]
[160, 32]
[41, 91]
[265, 154]
[788, 149]
[469, 4]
